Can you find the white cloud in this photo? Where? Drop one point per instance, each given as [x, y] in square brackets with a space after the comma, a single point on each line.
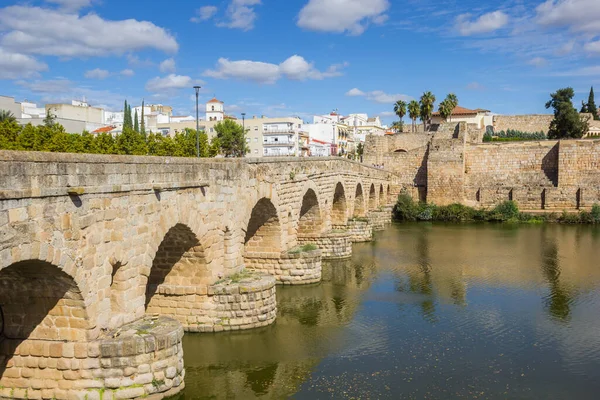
[71, 5]
[475, 86]
[35, 30]
[240, 15]
[294, 68]
[565, 49]
[387, 114]
[484, 24]
[578, 15]
[127, 72]
[339, 16]
[592, 47]
[378, 96]
[97, 74]
[170, 83]
[167, 66]
[585, 71]
[205, 13]
[538, 62]
[15, 65]
[355, 92]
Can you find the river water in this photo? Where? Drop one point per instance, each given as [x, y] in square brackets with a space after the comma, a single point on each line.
[426, 311]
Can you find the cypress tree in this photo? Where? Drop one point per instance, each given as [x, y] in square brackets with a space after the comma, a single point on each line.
[129, 117]
[591, 105]
[142, 123]
[125, 122]
[136, 124]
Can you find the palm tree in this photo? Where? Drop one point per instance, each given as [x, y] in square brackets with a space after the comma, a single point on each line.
[453, 100]
[7, 116]
[446, 108]
[397, 126]
[413, 113]
[427, 104]
[400, 109]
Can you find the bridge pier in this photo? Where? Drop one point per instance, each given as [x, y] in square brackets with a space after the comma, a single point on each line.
[141, 359]
[359, 229]
[380, 217]
[335, 244]
[294, 267]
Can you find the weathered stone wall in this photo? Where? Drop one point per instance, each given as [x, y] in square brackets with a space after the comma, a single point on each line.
[524, 123]
[360, 230]
[378, 219]
[333, 244]
[290, 268]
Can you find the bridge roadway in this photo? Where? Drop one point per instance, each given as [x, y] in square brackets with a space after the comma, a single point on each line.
[106, 260]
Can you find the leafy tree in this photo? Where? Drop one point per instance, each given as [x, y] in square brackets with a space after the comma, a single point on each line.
[232, 138]
[445, 109]
[136, 124]
[400, 109]
[104, 143]
[360, 149]
[6, 115]
[50, 118]
[567, 122]
[583, 107]
[215, 147]
[130, 142]
[9, 131]
[185, 143]
[591, 105]
[413, 112]
[427, 103]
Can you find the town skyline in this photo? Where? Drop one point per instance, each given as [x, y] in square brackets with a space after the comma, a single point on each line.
[325, 55]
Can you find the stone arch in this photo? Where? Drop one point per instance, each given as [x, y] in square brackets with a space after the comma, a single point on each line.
[41, 307]
[372, 197]
[310, 222]
[359, 201]
[382, 199]
[263, 232]
[400, 151]
[179, 262]
[339, 215]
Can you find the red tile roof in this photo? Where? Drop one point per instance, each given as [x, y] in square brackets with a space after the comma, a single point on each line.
[458, 110]
[214, 100]
[104, 129]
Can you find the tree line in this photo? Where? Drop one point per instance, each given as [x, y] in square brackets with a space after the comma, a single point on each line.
[230, 140]
[423, 109]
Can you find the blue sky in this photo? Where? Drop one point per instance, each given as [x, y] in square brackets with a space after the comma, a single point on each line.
[300, 57]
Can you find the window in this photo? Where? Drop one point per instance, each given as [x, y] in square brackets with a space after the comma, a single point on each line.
[211, 130]
[247, 140]
[256, 151]
[256, 128]
[213, 108]
[255, 140]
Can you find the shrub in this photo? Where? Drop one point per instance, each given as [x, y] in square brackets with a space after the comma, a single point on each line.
[505, 211]
[596, 213]
[569, 218]
[405, 208]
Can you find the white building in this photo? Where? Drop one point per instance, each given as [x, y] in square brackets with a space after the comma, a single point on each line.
[214, 110]
[281, 138]
[479, 117]
[31, 110]
[319, 148]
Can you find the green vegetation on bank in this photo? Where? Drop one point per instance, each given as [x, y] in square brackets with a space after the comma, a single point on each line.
[512, 135]
[230, 140]
[406, 209]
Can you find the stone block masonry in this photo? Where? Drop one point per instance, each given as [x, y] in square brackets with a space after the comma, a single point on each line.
[296, 267]
[360, 230]
[334, 245]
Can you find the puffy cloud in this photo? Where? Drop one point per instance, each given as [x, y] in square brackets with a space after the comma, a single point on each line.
[578, 15]
[538, 62]
[475, 86]
[170, 83]
[97, 74]
[15, 65]
[71, 5]
[592, 47]
[378, 96]
[355, 92]
[295, 68]
[35, 30]
[486, 23]
[167, 66]
[205, 13]
[240, 15]
[127, 72]
[339, 16]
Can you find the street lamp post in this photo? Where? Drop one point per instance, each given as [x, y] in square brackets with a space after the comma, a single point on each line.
[244, 122]
[197, 88]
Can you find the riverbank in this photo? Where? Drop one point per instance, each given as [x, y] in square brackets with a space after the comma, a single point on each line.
[406, 209]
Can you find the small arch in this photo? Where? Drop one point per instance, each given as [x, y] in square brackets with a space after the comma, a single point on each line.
[263, 233]
[382, 199]
[372, 198]
[179, 261]
[310, 215]
[359, 202]
[338, 207]
[400, 151]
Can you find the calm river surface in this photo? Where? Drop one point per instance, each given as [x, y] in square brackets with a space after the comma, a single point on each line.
[425, 312]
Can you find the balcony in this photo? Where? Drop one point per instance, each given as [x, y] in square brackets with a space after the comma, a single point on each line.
[286, 143]
[286, 131]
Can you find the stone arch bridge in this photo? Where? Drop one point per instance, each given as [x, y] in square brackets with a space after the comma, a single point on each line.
[106, 260]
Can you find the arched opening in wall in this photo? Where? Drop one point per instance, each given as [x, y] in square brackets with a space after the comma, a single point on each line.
[388, 193]
[39, 303]
[179, 261]
[310, 222]
[338, 209]
[400, 151]
[359, 202]
[372, 198]
[382, 199]
[264, 229]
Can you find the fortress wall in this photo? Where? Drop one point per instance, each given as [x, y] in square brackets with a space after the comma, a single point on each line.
[523, 123]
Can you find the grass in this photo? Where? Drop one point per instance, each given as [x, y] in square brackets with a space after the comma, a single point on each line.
[406, 209]
[303, 249]
[237, 277]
